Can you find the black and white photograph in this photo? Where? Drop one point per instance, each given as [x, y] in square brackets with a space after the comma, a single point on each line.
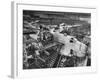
[53, 39]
